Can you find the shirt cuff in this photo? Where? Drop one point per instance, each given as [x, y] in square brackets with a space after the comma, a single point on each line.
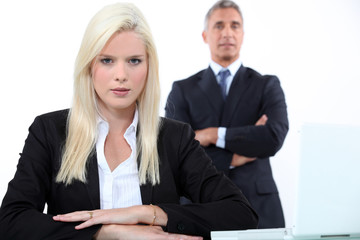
[221, 137]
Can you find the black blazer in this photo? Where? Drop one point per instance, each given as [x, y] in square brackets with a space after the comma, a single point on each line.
[184, 170]
[197, 100]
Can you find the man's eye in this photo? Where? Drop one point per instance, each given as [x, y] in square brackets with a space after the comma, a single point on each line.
[219, 27]
[135, 61]
[106, 60]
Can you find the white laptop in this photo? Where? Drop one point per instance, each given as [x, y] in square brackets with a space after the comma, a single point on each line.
[328, 195]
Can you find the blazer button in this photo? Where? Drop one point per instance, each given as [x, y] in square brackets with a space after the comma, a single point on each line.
[180, 227]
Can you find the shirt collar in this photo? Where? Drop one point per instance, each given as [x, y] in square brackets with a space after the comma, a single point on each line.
[131, 129]
[133, 125]
[233, 68]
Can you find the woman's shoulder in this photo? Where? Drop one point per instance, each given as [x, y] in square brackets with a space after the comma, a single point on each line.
[55, 114]
[174, 127]
[58, 118]
[171, 123]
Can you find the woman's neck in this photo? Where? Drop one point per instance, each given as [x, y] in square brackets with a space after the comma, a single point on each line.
[119, 120]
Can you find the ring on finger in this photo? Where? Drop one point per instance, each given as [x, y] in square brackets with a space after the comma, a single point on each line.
[91, 214]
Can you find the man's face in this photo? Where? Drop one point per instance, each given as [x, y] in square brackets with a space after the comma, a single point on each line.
[224, 35]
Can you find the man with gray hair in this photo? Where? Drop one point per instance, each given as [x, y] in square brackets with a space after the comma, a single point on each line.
[239, 115]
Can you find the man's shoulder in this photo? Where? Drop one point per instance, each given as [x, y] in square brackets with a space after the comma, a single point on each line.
[191, 79]
[251, 73]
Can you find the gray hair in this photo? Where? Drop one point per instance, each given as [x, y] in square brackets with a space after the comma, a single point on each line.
[221, 4]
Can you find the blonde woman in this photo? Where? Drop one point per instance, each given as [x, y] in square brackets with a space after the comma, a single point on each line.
[110, 167]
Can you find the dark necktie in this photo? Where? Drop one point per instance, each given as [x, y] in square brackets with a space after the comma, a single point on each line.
[223, 75]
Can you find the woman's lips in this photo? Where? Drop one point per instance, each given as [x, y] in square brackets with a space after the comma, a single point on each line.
[120, 91]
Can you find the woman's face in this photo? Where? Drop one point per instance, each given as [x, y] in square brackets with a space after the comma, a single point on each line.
[120, 72]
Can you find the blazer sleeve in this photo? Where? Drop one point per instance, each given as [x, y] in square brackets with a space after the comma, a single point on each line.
[262, 141]
[21, 213]
[217, 204]
[176, 106]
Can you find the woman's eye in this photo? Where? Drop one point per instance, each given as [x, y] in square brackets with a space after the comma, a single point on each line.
[106, 60]
[135, 61]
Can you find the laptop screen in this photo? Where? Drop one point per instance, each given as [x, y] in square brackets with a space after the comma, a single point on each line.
[328, 201]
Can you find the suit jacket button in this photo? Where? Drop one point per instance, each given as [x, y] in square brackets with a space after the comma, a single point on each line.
[180, 227]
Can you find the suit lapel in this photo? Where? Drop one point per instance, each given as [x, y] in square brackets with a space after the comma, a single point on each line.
[211, 89]
[93, 181]
[146, 193]
[238, 87]
[147, 189]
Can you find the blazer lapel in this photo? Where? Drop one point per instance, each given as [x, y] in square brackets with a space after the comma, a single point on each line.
[146, 193]
[211, 89]
[147, 189]
[238, 87]
[93, 181]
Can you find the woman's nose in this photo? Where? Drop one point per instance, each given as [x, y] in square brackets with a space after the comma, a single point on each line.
[120, 73]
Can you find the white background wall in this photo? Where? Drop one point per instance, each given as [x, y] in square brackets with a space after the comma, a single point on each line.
[313, 46]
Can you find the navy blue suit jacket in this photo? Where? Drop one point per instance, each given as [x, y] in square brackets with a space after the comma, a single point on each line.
[197, 100]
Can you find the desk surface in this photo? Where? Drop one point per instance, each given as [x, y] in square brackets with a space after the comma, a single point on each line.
[269, 234]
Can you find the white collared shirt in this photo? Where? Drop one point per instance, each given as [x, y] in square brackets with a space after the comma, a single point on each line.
[119, 188]
[233, 68]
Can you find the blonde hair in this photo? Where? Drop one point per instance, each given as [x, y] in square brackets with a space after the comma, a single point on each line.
[82, 120]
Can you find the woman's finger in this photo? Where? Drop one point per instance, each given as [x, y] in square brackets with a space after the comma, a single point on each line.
[74, 216]
[93, 221]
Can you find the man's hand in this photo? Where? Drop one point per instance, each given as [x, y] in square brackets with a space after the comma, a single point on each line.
[207, 136]
[262, 120]
[239, 160]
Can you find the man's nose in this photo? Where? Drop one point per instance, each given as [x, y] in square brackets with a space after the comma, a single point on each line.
[227, 32]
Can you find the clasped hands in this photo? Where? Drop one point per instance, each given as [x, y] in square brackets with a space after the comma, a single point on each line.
[122, 223]
[209, 136]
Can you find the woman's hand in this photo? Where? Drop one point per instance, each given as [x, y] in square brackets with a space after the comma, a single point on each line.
[121, 223]
[138, 232]
[108, 216]
[127, 216]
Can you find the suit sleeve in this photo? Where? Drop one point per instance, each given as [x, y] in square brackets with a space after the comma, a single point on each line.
[176, 107]
[21, 213]
[262, 141]
[217, 204]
